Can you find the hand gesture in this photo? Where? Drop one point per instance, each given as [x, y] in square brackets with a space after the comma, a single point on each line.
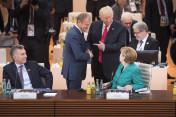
[100, 45]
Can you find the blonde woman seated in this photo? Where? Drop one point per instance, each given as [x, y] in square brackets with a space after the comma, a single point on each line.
[128, 75]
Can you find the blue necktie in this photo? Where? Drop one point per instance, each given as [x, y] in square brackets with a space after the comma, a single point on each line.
[140, 46]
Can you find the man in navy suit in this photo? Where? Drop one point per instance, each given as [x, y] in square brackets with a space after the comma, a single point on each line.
[143, 41]
[105, 39]
[128, 22]
[23, 74]
[76, 55]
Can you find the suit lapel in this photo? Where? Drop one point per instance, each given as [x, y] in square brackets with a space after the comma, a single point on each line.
[99, 32]
[147, 43]
[83, 42]
[28, 69]
[15, 70]
[111, 30]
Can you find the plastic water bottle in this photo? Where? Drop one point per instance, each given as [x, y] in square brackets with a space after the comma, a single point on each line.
[8, 88]
[4, 87]
[101, 87]
[97, 87]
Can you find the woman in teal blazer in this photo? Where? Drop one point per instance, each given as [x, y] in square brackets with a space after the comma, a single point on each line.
[128, 75]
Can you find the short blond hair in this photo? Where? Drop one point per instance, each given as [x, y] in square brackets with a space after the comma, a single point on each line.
[104, 11]
[129, 54]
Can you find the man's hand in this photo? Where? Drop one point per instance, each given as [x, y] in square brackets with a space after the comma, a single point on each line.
[53, 11]
[106, 85]
[172, 27]
[90, 53]
[23, 3]
[100, 45]
[35, 7]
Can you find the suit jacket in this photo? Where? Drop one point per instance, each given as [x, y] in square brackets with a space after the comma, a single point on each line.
[132, 33]
[152, 16]
[35, 73]
[115, 39]
[40, 19]
[62, 6]
[131, 75]
[151, 44]
[75, 56]
[90, 5]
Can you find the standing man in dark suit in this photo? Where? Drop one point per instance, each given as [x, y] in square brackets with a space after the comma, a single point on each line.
[157, 16]
[94, 6]
[32, 18]
[61, 10]
[23, 74]
[143, 41]
[128, 22]
[76, 54]
[105, 38]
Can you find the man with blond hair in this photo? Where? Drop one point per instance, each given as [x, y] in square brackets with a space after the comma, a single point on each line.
[105, 38]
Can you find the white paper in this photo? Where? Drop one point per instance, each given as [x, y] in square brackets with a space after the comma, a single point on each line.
[49, 94]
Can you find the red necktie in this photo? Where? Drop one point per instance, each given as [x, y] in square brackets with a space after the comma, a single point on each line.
[162, 8]
[102, 40]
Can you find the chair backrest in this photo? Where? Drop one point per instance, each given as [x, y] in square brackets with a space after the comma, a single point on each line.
[42, 78]
[137, 16]
[3, 56]
[146, 70]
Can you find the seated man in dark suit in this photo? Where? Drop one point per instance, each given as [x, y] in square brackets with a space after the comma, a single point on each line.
[128, 22]
[143, 41]
[25, 74]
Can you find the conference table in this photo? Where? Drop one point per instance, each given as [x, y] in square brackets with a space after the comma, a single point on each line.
[77, 103]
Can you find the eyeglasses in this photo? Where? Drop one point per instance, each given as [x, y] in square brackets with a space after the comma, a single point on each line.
[136, 33]
[127, 23]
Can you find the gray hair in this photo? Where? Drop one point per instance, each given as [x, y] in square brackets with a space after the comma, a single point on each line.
[126, 15]
[83, 16]
[140, 26]
[14, 49]
[104, 11]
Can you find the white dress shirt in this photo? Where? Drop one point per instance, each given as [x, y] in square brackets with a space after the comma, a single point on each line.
[27, 82]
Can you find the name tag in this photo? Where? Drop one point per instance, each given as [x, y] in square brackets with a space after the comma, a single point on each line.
[163, 21]
[30, 31]
[133, 6]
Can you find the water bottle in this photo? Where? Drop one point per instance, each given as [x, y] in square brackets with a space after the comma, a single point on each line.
[97, 87]
[101, 87]
[8, 89]
[4, 87]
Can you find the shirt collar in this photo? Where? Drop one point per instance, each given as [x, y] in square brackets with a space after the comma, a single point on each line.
[107, 27]
[145, 39]
[78, 28]
[17, 65]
